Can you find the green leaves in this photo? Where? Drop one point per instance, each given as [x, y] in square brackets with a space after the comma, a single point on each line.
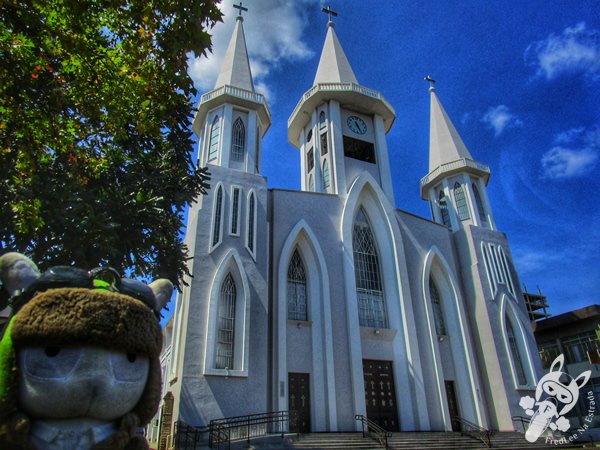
[95, 140]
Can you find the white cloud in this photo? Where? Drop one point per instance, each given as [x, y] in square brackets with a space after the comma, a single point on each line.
[500, 118]
[579, 159]
[575, 50]
[273, 30]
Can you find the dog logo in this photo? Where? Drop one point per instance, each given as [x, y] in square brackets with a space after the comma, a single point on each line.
[556, 394]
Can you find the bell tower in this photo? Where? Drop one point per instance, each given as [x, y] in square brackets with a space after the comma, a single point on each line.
[456, 184]
[339, 126]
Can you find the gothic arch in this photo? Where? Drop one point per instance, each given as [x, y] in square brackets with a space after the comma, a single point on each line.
[437, 268]
[508, 313]
[365, 192]
[303, 239]
[231, 263]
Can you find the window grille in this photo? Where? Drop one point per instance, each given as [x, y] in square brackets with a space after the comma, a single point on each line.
[238, 140]
[324, 148]
[516, 355]
[438, 313]
[296, 289]
[369, 289]
[326, 180]
[548, 353]
[217, 219]
[579, 348]
[461, 202]
[480, 208]
[213, 145]
[235, 211]
[251, 223]
[444, 209]
[226, 333]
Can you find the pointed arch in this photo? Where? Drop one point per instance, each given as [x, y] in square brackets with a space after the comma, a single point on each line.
[516, 345]
[217, 217]
[443, 204]
[213, 143]
[326, 179]
[437, 269]
[461, 202]
[251, 224]
[230, 288]
[303, 240]
[296, 289]
[238, 140]
[506, 269]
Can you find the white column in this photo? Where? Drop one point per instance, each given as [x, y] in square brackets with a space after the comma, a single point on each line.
[472, 205]
[303, 175]
[251, 142]
[383, 161]
[486, 203]
[226, 135]
[337, 148]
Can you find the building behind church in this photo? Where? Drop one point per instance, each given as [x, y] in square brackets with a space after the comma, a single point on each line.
[329, 300]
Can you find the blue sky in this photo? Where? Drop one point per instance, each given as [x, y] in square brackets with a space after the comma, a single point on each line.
[519, 79]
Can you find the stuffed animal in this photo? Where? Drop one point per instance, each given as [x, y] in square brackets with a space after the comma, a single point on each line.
[79, 358]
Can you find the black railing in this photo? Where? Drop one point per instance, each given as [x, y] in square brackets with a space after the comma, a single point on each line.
[223, 431]
[523, 421]
[374, 431]
[472, 429]
[187, 437]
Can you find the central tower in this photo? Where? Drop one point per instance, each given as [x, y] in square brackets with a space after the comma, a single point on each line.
[339, 126]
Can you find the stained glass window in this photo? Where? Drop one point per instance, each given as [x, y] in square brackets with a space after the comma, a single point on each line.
[296, 289]
[226, 332]
[516, 355]
[238, 140]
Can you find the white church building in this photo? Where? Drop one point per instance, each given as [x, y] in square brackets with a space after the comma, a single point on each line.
[329, 300]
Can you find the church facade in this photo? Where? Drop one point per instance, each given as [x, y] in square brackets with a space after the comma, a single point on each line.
[330, 301]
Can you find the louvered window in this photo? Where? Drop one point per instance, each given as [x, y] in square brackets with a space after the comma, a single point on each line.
[251, 223]
[369, 289]
[226, 332]
[326, 180]
[296, 289]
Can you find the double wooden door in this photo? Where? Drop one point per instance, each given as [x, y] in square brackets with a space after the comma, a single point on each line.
[380, 394]
[299, 401]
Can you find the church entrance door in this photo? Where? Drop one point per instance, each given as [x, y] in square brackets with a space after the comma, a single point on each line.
[299, 401]
[380, 394]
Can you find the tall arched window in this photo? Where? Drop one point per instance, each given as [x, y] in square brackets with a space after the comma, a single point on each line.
[226, 331]
[213, 145]
[444, 209]
[515, 353]
[369, 289]
[218, 216]
[461, 202]
[296, 289]
[251, 223]
[326, 180]
[322, 119]
[438, 313]
[480, 208]
[238, 140]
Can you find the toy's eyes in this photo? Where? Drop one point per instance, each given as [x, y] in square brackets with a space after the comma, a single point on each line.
[49, 362]
[129, 366]
[563, 398]
[550, 390]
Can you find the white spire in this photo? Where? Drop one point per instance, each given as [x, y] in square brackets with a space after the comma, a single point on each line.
[445, 144]
[235, 70]
[333, 65]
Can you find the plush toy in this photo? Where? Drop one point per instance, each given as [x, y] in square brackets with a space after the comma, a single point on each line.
[79, 358]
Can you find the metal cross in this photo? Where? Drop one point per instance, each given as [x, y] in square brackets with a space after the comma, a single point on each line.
[330, 12]
[241, 8]
[431, 80]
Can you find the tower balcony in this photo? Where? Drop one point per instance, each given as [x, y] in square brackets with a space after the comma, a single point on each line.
[447, 169]
[348, 94]
[237, 96]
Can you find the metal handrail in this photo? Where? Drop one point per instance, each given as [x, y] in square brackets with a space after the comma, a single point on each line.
[472, 429]
[380, 434]
[250, 426]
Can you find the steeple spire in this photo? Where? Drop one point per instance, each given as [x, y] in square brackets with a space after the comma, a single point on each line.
[235, 69]
[333, 65]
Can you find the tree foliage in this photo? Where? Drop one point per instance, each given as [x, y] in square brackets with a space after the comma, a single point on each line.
[95, 139]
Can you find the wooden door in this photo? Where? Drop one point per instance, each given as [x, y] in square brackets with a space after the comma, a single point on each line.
[452, 405]
[299, 401]
[380, 394]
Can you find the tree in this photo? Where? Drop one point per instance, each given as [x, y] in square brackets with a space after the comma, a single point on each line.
[95, 139]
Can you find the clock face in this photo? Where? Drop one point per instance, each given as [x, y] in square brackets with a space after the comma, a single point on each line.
[357, 125]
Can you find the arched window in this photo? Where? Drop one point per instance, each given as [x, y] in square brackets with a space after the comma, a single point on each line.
[326, 175]
[296, 289]
[238, 140]
[444, 209]
[213, 145]
[226, 331]
[322, 119]
[217, 219]
[251, 223]
[438, 313]
[480, 208]
[488, 267]
[369, 289]
[461, 202]
[515, 353]
[311, 183]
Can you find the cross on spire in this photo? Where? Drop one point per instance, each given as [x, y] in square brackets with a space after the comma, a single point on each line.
[330, 12]
[240, 8]
[431, 81]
